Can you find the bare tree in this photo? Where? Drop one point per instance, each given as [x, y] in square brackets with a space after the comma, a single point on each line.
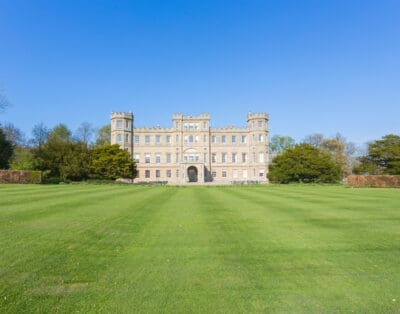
[40, 134]
[4, 102]
[85, 133]
[13, 134]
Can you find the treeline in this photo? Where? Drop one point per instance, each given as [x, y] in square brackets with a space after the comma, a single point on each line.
[327, 160]
[64, 156]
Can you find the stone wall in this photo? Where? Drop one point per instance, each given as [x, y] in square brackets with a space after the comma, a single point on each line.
[20, 176]
[376, 181]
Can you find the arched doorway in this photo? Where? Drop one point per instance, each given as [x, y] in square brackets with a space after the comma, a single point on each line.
[192, 174]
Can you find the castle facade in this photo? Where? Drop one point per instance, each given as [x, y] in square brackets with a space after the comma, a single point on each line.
[191, 151]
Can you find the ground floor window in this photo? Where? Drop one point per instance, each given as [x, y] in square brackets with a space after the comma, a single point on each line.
[177, 173]
[224, 174]
[158, 173]
[147, 174]
[168, 173]
[214, 174]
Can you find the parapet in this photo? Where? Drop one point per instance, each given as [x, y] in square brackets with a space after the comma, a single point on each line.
[121, 115]
[262, 115]
[180, 116]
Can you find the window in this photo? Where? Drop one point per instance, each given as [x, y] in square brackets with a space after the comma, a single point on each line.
[119, 124]
[244, 174]
[214, 174]
[223, 157]
[158, 139]
[213, 139]
[168, 158]
[223, 173]
[147, 139]
[191, 139]
[158, 158]
[177, 157]
[136, 139]
[260, 138]
[205, 139]
[147, 158]
[127, 124]
[205, 157]
[119, 137]
[158, 173]
[234, 157]
[244, 157]
[214, 158]
[168, 139]
[147, 174]
[223, 139]
[137, 158]
[177, 173]
[233, 138]
[177, 138]
[260, 123]
[126, 138]
[244, 139]
[261, 173]
[261, 157]
[168, 173]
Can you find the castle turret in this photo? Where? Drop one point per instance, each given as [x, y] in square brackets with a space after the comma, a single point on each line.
[257, 124]
[122, 130]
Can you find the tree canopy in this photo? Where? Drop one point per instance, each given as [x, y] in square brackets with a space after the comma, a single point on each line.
[6, 150]
[280, 143]
[304, 163]
[383, 157]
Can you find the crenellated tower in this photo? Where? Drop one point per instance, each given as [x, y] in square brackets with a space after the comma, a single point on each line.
[122, 130]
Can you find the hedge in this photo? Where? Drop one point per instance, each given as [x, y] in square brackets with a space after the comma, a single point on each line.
[20, 176]
[376, 181]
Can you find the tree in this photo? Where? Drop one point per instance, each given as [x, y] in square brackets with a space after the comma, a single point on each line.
[383, 157]
[4, 103]
[22, 159]
[40, 134]
[84, 133]
[13, 134]
[314, 139]
[6, 151]
[111, 162]
[104, 135]
[279, 143]
[304, 163]
[61, 157]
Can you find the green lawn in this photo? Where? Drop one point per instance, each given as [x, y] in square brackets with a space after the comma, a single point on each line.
[106, 248]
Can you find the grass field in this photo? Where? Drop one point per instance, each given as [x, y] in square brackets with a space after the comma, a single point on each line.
[108, 248]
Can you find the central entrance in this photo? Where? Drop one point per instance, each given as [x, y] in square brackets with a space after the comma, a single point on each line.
[192, 174]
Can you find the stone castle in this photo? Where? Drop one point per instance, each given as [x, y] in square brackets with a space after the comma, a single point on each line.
[191, 151]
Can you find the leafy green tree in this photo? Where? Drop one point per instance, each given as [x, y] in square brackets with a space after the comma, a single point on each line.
[61, 157]
[6, 151]
[383, 157]
[22, 159]
[280, 143]
[304, 163]
[104, 135]
[111, 162]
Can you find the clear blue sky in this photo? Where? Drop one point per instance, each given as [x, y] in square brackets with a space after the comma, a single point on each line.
[314, 66]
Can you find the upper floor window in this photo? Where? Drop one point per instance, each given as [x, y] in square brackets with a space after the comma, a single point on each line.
[158, 139]
[233, 138]
[223, 139]
[136, 139]
[244, 139]
[168, 139]
[223, 157]
[214, 158]
[260, 123]
[119, 137]
[244, 157]
[137, 158]
[168, 158]
[234, 157]
[213, 139]
[147, 158]
[127, 124]
[119, 124]
[260, 138]
[147, 139]
[158, 158]
[126, 138]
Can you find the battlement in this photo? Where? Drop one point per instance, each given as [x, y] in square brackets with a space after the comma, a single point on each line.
[262, 115]
[121, 115]
[180, 116]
